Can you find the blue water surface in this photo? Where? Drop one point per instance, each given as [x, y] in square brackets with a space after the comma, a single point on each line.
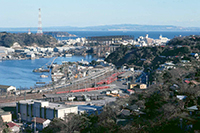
[20, 73]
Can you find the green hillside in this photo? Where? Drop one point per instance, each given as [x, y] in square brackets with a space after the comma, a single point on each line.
[7, 39]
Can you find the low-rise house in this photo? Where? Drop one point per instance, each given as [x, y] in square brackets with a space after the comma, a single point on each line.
[40, 123]
[6, 116]
[83, 62]
[133, 107]
[194, 54]
[174, 87]
[3, 52]
[168, 65]
[89, 109]
[30, 55]
[22, 50]
[14, 128]
[131, 86]
[61, 49]
[136, 109]
[16, 45]
[181, 97]
[192, 110]
[185, 61]
[6, 88]
[143, 86]
[130, 91]
[124, 113]
[114, 91]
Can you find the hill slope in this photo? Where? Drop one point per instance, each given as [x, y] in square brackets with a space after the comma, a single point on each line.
[150, 56]
[7, 39]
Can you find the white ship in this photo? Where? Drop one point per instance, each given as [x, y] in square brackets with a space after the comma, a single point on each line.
[44, 76]
[68, 55]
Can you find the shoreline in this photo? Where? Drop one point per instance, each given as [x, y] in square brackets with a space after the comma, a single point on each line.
[36, 77]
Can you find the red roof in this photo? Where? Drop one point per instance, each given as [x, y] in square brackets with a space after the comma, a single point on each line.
[11, 124]
[39, 120]
[186, 81]
[130, 90]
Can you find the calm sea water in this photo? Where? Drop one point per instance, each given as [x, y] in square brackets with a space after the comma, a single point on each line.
[136, 34]
[19, 72]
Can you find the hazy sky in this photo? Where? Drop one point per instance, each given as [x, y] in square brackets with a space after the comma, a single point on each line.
[24, 13]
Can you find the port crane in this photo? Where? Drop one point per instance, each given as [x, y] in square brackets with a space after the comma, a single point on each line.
[42, 69]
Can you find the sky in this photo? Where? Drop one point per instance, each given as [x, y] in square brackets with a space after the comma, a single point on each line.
[82, 13]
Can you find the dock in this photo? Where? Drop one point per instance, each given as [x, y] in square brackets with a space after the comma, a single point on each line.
[42, 69]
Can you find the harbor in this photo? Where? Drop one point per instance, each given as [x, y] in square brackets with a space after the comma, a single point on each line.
[19, 73]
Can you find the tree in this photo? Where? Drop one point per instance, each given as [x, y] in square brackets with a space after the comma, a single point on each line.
[2, 124]
[57, 125]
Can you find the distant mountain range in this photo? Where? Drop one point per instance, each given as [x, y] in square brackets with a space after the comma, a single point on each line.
[119, 27]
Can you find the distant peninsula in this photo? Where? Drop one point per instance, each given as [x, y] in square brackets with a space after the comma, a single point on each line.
[114, 27]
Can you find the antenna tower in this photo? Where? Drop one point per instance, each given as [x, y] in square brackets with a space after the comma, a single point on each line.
[39, 32]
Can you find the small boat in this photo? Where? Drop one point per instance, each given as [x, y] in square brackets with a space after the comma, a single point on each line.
[44, 76]
[68, 55]
[41, 70]
[40, 82]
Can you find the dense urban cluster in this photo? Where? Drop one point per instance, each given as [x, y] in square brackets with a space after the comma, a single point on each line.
[143, 85]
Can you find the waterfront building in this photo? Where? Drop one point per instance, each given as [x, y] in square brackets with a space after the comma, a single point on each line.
[161, 40]
[9, 50]
[61, 49]
[16, 45]
[27, 109]
[83, 62]
[30, 55]
[3, 52]
[146, 41]
[108, 39]
[6, 88]
[22, 50]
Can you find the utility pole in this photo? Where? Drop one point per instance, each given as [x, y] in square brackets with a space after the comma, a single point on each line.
[147, 80]
[39, 31]
[95, 82]
[19, 115]
[25, 95]
[15, 96]
[34, 124]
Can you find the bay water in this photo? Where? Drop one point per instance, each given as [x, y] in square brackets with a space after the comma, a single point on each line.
[19, 73]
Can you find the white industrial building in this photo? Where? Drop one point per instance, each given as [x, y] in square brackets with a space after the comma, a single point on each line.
[27, 109]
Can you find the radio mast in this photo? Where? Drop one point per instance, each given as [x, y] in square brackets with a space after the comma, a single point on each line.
[39, 31]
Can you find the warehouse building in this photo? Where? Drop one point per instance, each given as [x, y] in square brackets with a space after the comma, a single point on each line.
[27, 109]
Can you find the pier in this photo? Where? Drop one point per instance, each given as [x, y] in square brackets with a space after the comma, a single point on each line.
[41, 69]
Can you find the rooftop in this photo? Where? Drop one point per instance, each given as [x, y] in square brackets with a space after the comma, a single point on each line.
[51, 105]
[126, 74]
[2, 112]
[11, 124]
[4, 86]
[39, 120]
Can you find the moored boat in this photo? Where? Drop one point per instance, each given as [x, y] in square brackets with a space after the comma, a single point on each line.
[44, 76]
